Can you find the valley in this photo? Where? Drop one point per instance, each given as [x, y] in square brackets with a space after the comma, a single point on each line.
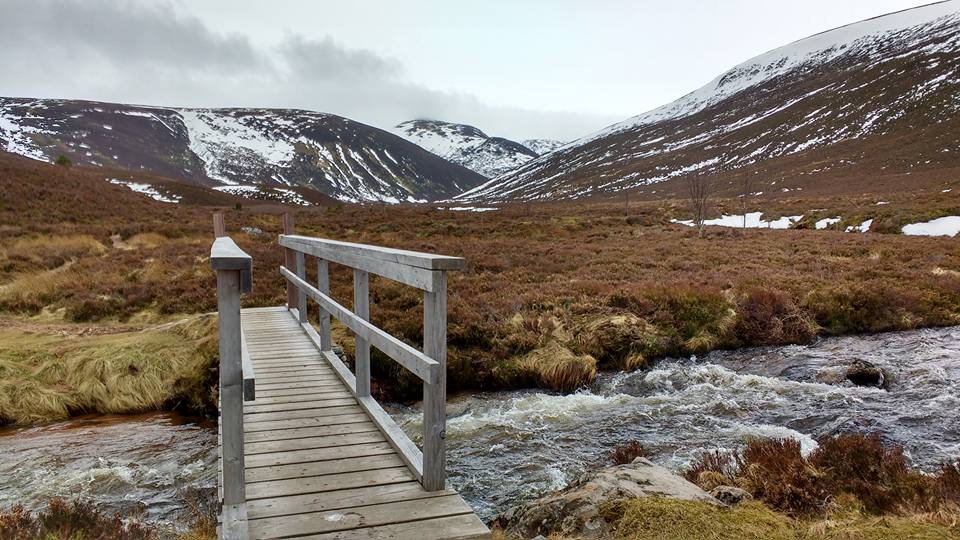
[756, 287]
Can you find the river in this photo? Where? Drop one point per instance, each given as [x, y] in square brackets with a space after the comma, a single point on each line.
[506, 447]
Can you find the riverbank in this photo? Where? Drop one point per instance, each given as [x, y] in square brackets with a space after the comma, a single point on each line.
[53, 372]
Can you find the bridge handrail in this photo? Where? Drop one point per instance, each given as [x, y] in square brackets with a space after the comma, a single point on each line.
[234, 270]
[421, 270]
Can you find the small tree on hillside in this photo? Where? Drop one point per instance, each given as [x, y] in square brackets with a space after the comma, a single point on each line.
[746, 190]
[700, 188]
[63, 161]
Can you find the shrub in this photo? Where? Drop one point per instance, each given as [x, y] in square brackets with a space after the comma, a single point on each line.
[768, 317]
[777, 474]
[63, 520]
[878, 476]
[63, 161]
[626, 453]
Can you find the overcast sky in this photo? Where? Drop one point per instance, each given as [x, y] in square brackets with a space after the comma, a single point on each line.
[520, 69]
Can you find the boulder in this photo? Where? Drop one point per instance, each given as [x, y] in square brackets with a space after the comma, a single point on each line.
[730, 495]
[863, 373]
[576, 511]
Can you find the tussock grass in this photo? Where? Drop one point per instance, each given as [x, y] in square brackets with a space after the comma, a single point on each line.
[49, 377]
[557, 368]
[44, 252]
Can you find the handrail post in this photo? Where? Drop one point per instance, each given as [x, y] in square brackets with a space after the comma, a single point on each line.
[301, 294]
[323, 284]
[361, 307]
[234, 276]
[219, 229]
[289, 261]
[435, 395]
[231, 386]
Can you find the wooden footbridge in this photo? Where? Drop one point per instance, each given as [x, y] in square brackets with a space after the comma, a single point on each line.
[305, 450]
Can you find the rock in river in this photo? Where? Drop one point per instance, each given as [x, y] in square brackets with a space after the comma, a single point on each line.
[863, 373]
[575, 511]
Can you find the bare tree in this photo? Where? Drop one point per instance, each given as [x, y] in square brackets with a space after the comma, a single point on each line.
[700, 188]
[746, 187]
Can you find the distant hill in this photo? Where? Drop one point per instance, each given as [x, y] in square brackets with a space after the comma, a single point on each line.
[870, 106]
[281, 148]
[472, 148]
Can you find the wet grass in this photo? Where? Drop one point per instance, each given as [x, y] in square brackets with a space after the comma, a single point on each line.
[46, 377]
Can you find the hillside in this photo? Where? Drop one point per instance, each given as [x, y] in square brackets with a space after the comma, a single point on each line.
[472, 148]
[281, 148]
[868, 107]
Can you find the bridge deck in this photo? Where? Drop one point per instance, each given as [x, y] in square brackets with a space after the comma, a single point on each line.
[316, 466]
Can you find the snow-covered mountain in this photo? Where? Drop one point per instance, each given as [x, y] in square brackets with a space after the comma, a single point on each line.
[542, 146]
[281, 148]
[470, 147]
[840, 109]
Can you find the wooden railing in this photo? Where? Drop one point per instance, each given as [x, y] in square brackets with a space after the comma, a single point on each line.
[421, 270]
[234, 276]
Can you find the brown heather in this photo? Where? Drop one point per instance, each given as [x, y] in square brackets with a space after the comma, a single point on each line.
[598, 288]
[855, 468]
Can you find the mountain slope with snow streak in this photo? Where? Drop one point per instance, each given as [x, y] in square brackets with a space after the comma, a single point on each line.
[470, 147]
[279, 148]
[873, 99]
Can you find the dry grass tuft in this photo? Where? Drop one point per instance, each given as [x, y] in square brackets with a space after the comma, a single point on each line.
[557, 368]
[50, 377]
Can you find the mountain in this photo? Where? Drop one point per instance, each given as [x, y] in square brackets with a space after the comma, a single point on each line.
[279, 148]
[542, 146]
[470, 147]
[856, 108]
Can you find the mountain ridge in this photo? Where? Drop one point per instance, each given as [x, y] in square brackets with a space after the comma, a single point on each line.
[336, 156]
[839, 96]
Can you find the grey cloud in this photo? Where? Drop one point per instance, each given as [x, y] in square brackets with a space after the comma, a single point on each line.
[116, 50]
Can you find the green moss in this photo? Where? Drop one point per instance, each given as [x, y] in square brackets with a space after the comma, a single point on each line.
[664, 519]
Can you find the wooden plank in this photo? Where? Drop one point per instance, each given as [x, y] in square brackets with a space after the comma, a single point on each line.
[297, 391]
[318, 431]
[251, 412]
[303, 413]
[358, 517]
[336, 393]
[226, 255]
[319, 454]
[343, 499]
[233, 522]
[320, 468]
[288, 445]
[408, 451]
[231, 385]
[323, 285]
[460, 527]
[361, 307]
[246, 369]
[423, 366]
[420, 278]
[250, 427]
[401, 256]
[318, 377]
[435, 392]
[327, 482]
[306, 384]
[282, 371]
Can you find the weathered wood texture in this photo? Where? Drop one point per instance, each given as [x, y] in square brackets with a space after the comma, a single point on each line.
[317, 463]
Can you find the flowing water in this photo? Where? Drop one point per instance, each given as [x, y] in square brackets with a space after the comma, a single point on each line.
[149, 465]
[505, 447]
[509, 446]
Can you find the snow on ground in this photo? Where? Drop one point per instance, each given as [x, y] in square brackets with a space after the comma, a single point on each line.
[753, 221]
[217, 138]
[863, 227]
[826, 222]
[945, 226]
[147, 190]
[264, 193]
[470, 208]
[17, 137]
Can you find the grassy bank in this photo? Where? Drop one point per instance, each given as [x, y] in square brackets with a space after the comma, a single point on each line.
[50, 374]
